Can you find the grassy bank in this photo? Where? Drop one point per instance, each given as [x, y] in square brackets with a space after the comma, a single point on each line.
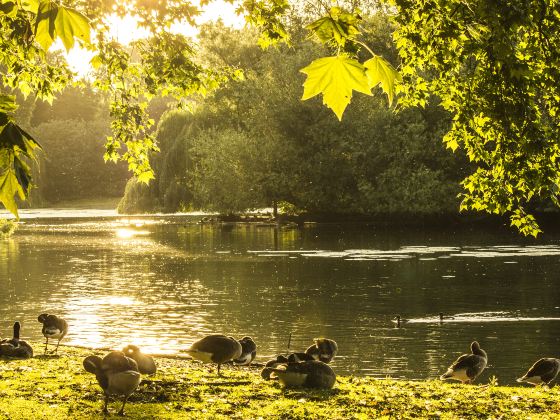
[50, 387]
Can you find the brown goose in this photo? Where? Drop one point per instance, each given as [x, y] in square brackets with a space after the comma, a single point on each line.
[215, 348]
[15, 347]
[542, 372]
[308, 374]
[53, 327]
[248, 352]
[324, 350]
[116, 374]
[468, 366]
[146, 364]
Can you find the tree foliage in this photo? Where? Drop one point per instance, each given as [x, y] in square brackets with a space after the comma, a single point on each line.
[492, 65]
[253, 143]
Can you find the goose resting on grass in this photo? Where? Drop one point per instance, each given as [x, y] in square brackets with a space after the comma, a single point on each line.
[146, 364]
[116, 374]
[468, 366]
[53, 327]
[308, 374]
[542, 372]
[248, 352]
[324, 350]
[16, 348]
[215, 348]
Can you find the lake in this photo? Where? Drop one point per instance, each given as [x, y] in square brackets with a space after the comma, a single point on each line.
[164, 281]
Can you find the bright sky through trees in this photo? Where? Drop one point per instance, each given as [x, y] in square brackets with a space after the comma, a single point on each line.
[125, 30]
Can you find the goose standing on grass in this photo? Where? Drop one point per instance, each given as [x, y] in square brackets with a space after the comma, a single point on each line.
[15, 347]
[215, 348]
[248, 352]
[324, 350]
[308, 374]
[116, 374]
[542, 372]
[468, 366]
[53, 327]
[146, 364]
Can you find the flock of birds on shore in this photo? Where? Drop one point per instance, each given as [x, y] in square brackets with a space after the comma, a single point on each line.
[119, 372]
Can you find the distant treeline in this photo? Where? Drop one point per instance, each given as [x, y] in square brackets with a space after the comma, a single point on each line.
[255, 144]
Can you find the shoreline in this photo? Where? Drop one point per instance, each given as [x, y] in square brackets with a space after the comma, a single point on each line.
[57, 387]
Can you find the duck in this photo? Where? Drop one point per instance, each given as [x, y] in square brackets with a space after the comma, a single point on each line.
[307, 374]
[248, 352]
[53, 327]
[399, 321]
[324, 350]
[216, 348]
[146, 364]
[116, 374]
[16, 348]
[542, 372]
[468, 366]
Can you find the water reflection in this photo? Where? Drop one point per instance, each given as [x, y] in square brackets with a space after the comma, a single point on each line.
[163, 282]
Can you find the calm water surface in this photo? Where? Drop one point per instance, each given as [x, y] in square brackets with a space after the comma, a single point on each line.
[163, 282]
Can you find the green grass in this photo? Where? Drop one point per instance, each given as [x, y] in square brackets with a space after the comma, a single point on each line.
[58, 388]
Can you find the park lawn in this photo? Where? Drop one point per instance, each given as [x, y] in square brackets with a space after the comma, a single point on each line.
[51, 387]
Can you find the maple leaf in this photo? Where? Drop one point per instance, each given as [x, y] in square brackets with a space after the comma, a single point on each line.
[336, 78]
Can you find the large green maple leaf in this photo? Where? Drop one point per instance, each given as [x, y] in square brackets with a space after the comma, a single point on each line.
[380, 71]
[336, 78]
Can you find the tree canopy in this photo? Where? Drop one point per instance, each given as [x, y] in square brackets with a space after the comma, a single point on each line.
[492, 65]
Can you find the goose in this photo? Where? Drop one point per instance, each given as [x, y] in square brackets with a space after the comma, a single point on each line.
[274, 363]
[308, 374]
[300, 357]
[116, 374]
[399, 321]
[324, 350]
[15, 347]
[53, 327]
[215, 348]
[468, 366]
[542, 372]
[248, 352]
[146, 364]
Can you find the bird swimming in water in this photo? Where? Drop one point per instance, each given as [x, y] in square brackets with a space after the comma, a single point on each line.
[308, 374]
[248, 352]
[14, 347]
[324, 350]
[542, 372]
[116, 374]
[399, 321]
[468, 366]
[215, 348]
[53, 327]
[146, 364]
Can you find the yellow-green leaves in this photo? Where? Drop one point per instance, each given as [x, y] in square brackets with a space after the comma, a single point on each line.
[336, 78]
[63, 22]
[70, 24]
[379, 71]
[9, 188]
[337, 26]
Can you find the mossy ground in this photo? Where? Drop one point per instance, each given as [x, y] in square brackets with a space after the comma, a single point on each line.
[57, 387]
